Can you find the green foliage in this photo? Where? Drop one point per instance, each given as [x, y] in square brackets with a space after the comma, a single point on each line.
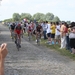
[68, 22]
[16, 17]
[26, 15]
[49, 16]
[56, 19]
[38, 16]
[56, 47]
[8, 20]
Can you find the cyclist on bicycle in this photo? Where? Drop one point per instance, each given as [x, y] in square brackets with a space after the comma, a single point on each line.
[12, 27]
[29, 28]
[38, 31]
[18, 32]
[22, 25]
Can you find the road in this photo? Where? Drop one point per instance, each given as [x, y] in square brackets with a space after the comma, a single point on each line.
[33, 59]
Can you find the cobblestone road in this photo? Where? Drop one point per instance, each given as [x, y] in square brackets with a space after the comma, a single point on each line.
[34, 60]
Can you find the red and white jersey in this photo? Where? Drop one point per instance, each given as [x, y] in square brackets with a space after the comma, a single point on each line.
[29, 27]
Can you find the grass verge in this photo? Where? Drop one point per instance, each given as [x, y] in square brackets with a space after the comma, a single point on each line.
[56, 47]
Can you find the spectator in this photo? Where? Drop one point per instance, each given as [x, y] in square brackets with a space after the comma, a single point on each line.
[57, 33]
[72, 40]
[63, 36]
[44, 26]
[48, 33]
[67, 30]
[53, 27]
[3, 53]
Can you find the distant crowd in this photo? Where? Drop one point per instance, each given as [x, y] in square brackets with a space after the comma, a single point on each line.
[54, 32]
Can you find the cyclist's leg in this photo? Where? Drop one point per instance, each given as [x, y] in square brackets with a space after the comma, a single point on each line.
[37, 35]
[12, 34]
[24, 29]
[22, 33]
[15, 38]
[19, 35]
[40, 33]
[28, 33]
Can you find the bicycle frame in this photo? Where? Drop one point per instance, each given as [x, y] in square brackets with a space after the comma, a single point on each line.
[12, 35]
[38, 39]
[18, 42]
[30, 35]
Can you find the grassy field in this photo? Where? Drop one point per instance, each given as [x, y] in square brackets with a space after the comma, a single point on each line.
[56, 47]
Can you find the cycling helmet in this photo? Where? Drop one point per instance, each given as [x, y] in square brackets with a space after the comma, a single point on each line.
[19, 24]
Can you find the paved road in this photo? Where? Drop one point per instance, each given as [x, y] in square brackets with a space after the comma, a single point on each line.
[34, 60]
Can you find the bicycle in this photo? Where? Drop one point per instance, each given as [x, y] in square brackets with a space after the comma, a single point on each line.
[30, 36]
[12, 35]
[18, 42]
[38, 39]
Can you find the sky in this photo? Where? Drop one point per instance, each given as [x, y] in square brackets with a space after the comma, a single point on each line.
[64, 9]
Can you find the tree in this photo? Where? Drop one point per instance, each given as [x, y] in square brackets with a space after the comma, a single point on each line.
[8, 20]
[56, 19]
[49, 16]
[16, 17]
[68, 22]
[26, 15]
[38, 16]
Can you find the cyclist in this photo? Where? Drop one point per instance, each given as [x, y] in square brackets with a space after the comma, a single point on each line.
[24, 28]
[30, 29]
[22, 25]
[38, 31]
[18, 33]
[12, 27]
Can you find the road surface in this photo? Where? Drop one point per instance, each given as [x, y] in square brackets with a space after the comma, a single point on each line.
[32, 59]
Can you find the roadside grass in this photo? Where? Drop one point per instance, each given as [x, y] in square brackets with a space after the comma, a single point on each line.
[56, 47]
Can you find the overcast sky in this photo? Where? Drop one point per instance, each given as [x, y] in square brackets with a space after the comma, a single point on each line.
[64, 9]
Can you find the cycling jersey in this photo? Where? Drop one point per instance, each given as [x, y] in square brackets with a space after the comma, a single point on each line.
[18, 29]
[38, 28]
[12, 27]
[24, 24]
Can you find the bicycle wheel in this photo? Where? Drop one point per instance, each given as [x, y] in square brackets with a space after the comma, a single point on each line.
[29, 36]
[17, 47]
[38, 40]
[12, 35]
[18, 44]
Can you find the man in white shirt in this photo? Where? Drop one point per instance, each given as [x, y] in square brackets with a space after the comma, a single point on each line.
[57, 33]
[44, 26]
[48, 33]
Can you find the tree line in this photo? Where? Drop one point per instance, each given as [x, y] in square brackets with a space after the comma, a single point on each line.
[50, 17]
[37, 16]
